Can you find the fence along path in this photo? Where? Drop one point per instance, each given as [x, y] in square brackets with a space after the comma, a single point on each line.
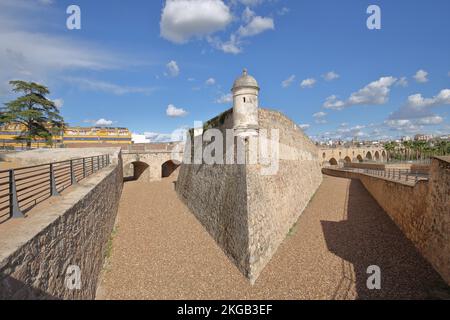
[23, 188]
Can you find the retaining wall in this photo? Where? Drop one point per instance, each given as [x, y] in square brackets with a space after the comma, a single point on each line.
[421, 210]
[249, 213]
[73, 229]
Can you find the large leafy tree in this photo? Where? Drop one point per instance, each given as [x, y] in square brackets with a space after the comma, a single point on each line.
[38, 114]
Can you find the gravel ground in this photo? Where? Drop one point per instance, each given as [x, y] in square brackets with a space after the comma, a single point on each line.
[160, 251]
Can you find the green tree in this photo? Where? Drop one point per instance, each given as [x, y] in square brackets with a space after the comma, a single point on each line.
[38, 114]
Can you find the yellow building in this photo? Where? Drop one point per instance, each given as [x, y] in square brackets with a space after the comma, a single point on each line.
[79, 136]
[96, 135]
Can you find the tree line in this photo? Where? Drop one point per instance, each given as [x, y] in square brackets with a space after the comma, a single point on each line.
[38, 115]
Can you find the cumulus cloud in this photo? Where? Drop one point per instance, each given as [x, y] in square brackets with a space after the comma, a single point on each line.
[103, 122]
[286, 83]
[421, 76]
[330, 76]
[253, 25]
[256, 26]
[375, 93]
[308, 83]
[173, 70]
[417, 106]
[402, 82]
[225, 99]
[304, 126]
[174, 112]
[210, 82]
[182, 20]
[58, 103]
[319, 117]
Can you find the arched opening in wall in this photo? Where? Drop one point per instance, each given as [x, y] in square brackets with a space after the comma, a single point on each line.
[383, 155]
[169, 167]
[134, 170]
[360, 159]
[368, 156]
[377, 156]
[333, 162]
[324, 155]
[138, 169]
[347, 159]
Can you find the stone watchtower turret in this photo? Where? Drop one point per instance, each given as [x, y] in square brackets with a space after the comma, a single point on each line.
[245, 105]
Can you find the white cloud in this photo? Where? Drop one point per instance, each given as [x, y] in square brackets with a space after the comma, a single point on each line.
[182, 20]
[416, 101]
[308, 83]
[256, 26]
[421, 76]
[283, 11]
[173, 111]
[225, 99]
[210, 82]
[402, 82]
[330, 76]
[251, 3]
[305, 126]
[103, 122]
[173, 70]
[286, 83]
[232, 46]
[431, 120]
[103, 86]
[375, 93]
[58, 103]
[319, 114]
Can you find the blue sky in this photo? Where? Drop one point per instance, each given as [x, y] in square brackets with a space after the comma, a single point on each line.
[155, 66]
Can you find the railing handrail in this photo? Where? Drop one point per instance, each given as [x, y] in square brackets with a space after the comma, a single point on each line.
[53, 177]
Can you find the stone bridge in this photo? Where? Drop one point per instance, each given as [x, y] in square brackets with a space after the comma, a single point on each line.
[150, 165]
[334, 156]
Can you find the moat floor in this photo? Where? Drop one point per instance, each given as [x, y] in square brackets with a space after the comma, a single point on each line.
[160, 251]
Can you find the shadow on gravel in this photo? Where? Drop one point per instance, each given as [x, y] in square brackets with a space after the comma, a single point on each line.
[367, 236]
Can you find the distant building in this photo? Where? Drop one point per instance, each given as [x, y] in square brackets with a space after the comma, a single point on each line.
[79, 136]
[423, 137]
[139, 138]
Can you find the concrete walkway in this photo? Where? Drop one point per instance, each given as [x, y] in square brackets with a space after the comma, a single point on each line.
[160, 251]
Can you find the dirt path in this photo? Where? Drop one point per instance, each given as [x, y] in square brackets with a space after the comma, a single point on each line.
[160, 251]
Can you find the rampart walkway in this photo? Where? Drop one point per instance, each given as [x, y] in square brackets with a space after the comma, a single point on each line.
[160, 251]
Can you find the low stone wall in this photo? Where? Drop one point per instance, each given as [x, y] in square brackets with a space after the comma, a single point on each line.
[437, 247]
[248, 213]
[420, 210]
[71, 230]
[362, 165]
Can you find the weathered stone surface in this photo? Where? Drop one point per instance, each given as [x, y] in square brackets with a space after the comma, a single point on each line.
[74, 230]
[421, 210]
[246, 212]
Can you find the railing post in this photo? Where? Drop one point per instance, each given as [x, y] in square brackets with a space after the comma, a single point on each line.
[53, 191]
[107, 159]
[73, 178]
[14, 209]
[98, 162]
[84, 167]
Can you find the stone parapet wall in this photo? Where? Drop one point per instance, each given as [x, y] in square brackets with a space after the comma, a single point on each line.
[248, 213]
[73, 229]
[420, 210]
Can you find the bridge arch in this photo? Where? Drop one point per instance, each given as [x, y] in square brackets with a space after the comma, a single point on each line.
[169, 167]
[333, 162]
[383, 155]
[347, 159]
[135, 170]
[377, 156]
[359, 158]
[368, 155]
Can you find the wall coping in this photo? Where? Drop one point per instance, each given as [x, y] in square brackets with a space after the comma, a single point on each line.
[14, 234]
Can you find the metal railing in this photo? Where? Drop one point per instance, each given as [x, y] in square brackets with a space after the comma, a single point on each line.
[405, 175]
[23, 188]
